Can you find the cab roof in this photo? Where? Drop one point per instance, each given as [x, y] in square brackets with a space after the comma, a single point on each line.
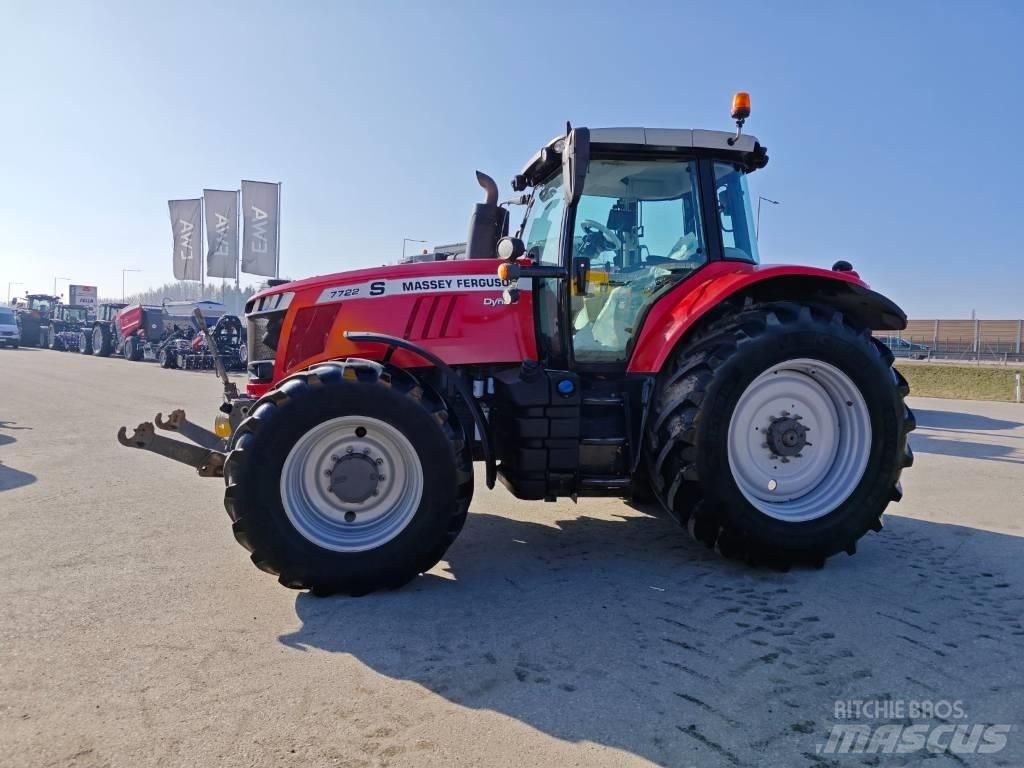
[746, 149]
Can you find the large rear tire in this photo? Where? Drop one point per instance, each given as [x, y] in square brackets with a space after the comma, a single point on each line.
[779, 434]
[132, 349]
[301, 490]
[102, 344]
[85, 343]
[53, 340]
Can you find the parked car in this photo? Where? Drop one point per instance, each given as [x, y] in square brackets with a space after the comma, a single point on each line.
[903, 348]
[10, 336]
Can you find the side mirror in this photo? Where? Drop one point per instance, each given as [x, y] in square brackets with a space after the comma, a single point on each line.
[581, 274]
[575, 162]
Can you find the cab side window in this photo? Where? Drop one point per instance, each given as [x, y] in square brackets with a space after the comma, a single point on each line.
[735, 213]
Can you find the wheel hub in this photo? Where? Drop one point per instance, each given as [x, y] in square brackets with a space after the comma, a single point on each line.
[351, 483]
[786, 436]
[770, 456]
[355, 478]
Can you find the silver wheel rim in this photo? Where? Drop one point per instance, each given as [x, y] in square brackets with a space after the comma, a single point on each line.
[349, 445]
[97, 339]
[832, 452]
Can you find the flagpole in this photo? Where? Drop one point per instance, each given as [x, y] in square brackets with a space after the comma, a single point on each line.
[238, 251]
[277, 261]
[202, 246]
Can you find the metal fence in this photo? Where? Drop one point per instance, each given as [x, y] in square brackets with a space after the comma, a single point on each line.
[998, 341]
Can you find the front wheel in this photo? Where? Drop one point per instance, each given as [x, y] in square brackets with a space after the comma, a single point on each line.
[85, 343]
[780, 434]
[348, 477]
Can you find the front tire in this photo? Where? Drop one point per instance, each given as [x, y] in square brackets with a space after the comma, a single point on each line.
[300, 486]
[779, 434]
[85, 343]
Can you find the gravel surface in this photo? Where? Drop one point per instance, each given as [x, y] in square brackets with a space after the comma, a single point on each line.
[136, 632]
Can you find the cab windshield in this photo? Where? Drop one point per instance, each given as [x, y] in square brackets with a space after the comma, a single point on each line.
[76, 313]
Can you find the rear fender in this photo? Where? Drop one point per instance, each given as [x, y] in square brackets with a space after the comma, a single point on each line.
[722, 287]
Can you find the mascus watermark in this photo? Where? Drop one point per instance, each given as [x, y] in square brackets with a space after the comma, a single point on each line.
[959, 738]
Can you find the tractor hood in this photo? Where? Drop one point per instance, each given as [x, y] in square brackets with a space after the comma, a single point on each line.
[416, 277]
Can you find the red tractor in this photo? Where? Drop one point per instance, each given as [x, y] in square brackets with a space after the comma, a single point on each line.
[624, 342]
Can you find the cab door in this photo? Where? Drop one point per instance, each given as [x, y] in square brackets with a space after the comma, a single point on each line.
[639, 230]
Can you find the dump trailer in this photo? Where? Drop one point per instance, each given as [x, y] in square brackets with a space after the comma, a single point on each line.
[33, 316]
[67, 323]
[624, 341]
[141, 329]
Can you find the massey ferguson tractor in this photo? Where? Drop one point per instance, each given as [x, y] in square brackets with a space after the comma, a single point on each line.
[624, 341]
[33, 316]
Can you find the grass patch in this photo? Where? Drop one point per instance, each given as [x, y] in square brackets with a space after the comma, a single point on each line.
[963, 382]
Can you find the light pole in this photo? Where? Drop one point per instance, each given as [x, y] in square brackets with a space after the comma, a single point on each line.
[55, 283]
[13, 282]
[757, 226]
[122, 279]
[409, 240]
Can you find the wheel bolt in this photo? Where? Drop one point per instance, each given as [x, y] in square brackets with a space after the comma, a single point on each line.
[366, 451]
[327, 472]
[349, 449]
[335, 457]
[381, 477]
[380, 461]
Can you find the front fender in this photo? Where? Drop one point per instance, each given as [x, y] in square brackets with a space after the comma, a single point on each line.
[702, 296]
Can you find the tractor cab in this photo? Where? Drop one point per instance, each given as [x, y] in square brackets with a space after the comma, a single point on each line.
[40, 303]
[72, 314]
[627, 214]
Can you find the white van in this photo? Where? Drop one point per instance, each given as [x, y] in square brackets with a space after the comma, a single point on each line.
[9, 334]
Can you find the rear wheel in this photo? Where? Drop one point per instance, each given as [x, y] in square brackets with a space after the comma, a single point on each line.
[102, 344]
[348, 477]
[132, 349]
[779, 435]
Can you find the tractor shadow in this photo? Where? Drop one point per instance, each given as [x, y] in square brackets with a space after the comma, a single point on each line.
[12, 478]
[959, 421]
[624, 633]
[945, 433]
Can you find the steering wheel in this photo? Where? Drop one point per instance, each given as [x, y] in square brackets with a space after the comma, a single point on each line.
[611, 240]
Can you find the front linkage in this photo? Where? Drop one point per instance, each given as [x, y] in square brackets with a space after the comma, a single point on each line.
[207, 450]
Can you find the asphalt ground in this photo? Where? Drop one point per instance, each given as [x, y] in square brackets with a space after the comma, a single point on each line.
[134, 631]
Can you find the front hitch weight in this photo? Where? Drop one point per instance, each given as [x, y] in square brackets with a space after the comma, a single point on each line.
[208, 463]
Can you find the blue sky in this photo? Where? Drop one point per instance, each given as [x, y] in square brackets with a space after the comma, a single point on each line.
[893, 128]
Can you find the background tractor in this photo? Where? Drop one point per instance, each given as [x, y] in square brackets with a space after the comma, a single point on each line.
[624, 342]
[33, 314]
[98, 337]
[66, 326]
